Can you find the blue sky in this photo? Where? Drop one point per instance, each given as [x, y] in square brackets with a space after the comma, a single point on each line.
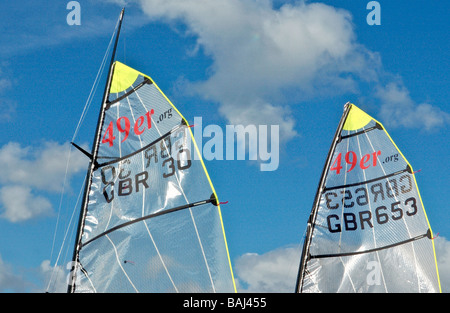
[290, 63]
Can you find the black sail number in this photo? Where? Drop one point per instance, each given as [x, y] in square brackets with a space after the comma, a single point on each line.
[170, 152]
[182, 158]
[170, 167]
[169, 164]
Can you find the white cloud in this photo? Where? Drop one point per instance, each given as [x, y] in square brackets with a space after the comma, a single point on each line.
[260, 52]
[9, 281]
[19, 204]
[398, 109]
[443, 258]
[41, 167]
[274, 271]
[36, 281]
[28, 173]
[54, 278]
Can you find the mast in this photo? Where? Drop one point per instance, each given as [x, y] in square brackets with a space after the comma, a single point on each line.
[313, 215]
[93, 163]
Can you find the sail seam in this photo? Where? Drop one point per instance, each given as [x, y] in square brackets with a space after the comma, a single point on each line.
[322, 256]
[143, 210]
[182, 191]
[342, 216]
[116, 253]
[370, 207]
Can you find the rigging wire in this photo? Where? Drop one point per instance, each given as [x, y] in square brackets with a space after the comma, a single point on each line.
[94, 87]
[80, 122]
[54, 271]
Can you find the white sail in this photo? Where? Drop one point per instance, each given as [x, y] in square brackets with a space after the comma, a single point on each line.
[151, 220]
[368, 230]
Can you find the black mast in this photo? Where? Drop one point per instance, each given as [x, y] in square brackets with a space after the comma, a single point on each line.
[93, 164]
[313, 215]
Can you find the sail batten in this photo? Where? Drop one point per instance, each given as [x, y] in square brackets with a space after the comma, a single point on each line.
[368, 230]
[427, 234]
[167, 211]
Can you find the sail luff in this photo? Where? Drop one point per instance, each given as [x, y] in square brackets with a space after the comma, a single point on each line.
[93, 162]
[312, 217]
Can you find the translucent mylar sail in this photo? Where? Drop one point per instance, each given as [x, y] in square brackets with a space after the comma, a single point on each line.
[153, 221]
[368, 230]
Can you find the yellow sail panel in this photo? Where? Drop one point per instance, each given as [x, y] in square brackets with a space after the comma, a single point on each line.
[153, 222]
[356, 119]
[369, 231]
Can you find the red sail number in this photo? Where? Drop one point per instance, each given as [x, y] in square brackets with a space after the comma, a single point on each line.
[124, 126]
[352, 159]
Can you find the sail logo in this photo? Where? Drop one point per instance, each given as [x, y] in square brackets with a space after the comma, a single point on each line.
[123, 126]
[351, 159]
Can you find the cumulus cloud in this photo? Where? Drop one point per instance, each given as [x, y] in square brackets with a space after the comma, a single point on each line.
[443, 258]
[28, 173]
[276, 271]
[20, 204]
[260, 51]
[9, 281]
[41, 167]
[38, 280]
[54, 278]
[398, 109]
[273, 272]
